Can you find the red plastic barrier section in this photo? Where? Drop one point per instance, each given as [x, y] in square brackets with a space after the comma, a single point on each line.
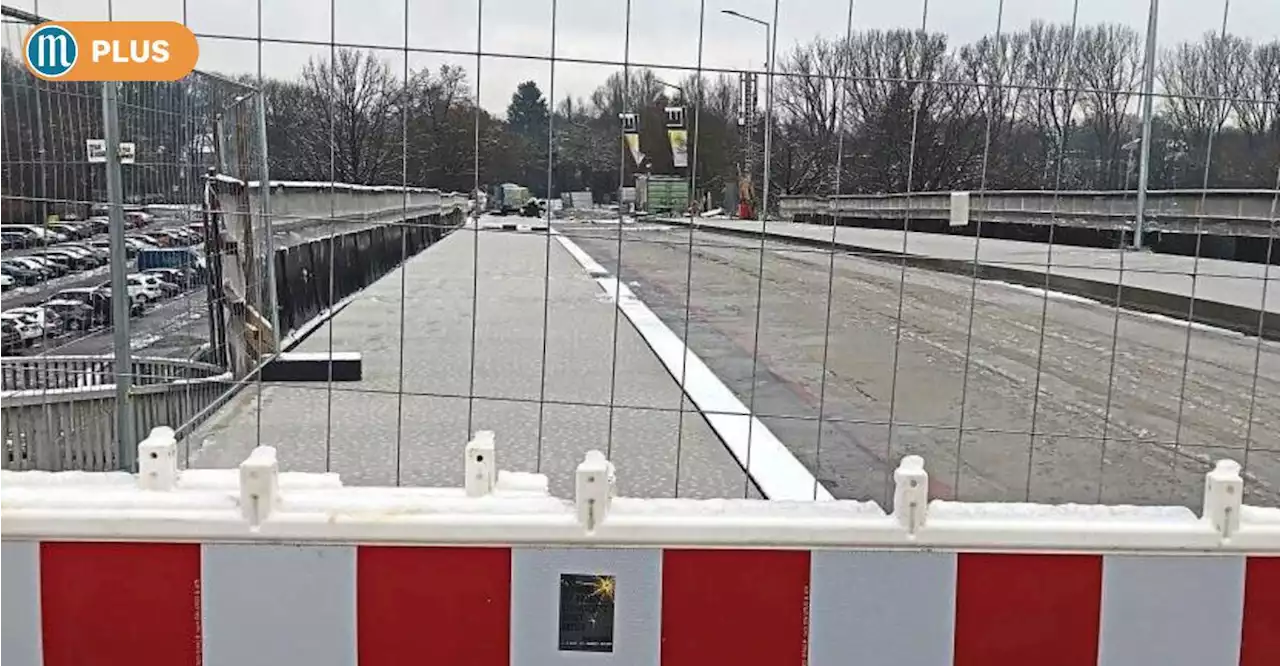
[143, 604]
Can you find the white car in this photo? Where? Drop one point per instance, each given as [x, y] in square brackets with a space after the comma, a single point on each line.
[28, 329]
[156, 283]
[48, 322]
[142, 291]
[6, 282]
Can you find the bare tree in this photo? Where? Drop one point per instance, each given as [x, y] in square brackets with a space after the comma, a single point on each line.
[997, 68]
[1202, 79]
[1258, 113]
[1053, 96]
[1109, 67]
[361, 99]
[807, 101]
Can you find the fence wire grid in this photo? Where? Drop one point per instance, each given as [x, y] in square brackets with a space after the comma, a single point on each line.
[877, 228]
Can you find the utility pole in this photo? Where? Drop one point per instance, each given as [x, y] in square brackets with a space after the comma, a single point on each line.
[1148, 84]
[126, 438]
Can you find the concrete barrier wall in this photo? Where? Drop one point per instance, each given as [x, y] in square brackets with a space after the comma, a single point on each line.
[258, 566]
[1229, 212]
[308, 200]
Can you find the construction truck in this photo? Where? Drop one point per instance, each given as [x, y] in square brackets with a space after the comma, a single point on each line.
[666, 195]
[510, 198]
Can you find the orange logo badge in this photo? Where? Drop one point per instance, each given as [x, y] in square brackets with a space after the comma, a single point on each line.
[111, 51]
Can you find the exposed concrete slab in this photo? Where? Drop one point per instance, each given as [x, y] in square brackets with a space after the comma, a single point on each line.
[422, 384]
[1226, 293]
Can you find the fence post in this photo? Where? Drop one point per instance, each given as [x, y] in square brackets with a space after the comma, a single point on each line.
[264, 204]
[126, 441]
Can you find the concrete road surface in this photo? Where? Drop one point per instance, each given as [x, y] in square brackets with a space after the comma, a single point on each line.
[1124, 407]
[407, 420]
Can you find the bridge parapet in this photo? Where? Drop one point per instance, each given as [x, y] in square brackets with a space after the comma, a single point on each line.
[500, 572]
[1226, 212]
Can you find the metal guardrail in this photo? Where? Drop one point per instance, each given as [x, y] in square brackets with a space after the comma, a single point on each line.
[1226, 212]
[28, 373]
[61, 415]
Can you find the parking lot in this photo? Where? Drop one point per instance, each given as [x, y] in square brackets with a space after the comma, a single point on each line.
[57, 283]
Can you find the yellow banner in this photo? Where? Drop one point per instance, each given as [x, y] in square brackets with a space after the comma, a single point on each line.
[633, 142]
[679, 147]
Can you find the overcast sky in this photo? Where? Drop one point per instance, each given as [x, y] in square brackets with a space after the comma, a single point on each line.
[663, 32]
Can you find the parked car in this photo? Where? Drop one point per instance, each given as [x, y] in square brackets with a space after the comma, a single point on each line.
[141, 241]
[21, 275]
[71, 231]
[48, 320]
[45, 269]
[7, 282]
[54, 269]
[159, 239]
[14, 240]
[102, 253]
[99, 299]
[27, 263]
[184, 278]
[138, 218]
[42, 234]
[156, 283]
[143, 290]
[21, 237]
[85, 253]
[60, 265]
[75, 315]
[10, 338]
[30, 330]
[74, 261]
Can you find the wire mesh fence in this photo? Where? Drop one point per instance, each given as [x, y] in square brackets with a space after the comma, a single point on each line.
[739, 266]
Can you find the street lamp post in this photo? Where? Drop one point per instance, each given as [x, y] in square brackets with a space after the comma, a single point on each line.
[683, 96]
[768, 29]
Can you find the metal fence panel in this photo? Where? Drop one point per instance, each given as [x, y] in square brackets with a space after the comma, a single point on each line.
[724, 355]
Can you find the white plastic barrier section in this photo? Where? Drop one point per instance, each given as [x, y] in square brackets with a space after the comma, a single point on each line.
[258, 566]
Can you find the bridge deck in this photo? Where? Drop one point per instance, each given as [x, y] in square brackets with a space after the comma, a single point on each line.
[354, 428]
[1231, 283]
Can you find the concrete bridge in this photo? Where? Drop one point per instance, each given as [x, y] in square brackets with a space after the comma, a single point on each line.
[59, 411]
[1232, 213]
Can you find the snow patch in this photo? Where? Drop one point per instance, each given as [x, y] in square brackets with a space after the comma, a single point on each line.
[1046, 293]
[943, 509]
[1260, 515]
[745, 508]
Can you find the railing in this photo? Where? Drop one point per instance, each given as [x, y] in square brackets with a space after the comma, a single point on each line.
[37, 373]
[59, 416]
[249, 565]
[1231, 212]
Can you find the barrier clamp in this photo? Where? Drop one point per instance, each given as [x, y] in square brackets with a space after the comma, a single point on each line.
[481, 464]
[1223, 496]
[911, 494]
[596, 483]
[158, 460]
[259, 485]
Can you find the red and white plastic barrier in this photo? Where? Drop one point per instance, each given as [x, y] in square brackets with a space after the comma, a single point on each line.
[256, 566]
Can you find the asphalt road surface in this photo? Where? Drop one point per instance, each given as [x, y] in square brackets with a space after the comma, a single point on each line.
[1122, 414]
